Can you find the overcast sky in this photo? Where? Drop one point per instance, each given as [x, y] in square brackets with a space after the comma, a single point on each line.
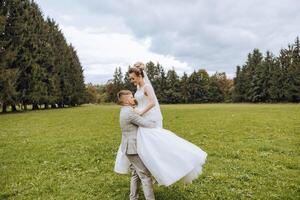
[215, 35]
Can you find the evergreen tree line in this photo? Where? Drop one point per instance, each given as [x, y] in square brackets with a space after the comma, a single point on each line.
[261, 79]
[198, 87]
[269, 78]
[37, 65]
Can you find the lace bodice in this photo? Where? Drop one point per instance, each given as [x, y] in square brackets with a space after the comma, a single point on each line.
[141, 98]
[142, 101]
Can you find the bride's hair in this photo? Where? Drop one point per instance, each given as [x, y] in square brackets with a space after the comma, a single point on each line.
[136, 71]
[139, 65]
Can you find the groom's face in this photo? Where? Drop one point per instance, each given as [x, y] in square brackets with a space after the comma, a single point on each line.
[129, 99]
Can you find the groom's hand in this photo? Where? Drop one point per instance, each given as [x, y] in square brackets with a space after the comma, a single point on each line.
[140, 121]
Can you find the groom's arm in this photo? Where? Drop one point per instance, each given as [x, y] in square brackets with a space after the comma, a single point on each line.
[140, 121]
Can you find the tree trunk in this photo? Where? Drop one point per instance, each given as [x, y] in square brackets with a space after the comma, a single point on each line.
[46, 106]
[25, 106]
[35, 106]
[4, 108]
[13, 108]
[53, 105]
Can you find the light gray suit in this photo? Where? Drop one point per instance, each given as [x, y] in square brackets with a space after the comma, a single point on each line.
[129, 122]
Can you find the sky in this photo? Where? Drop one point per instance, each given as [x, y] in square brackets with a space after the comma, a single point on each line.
[187, 35]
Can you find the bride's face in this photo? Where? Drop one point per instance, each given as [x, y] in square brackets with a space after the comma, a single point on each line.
[134, 78]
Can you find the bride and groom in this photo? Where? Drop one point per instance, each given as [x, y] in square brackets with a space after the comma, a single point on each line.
[147, 149]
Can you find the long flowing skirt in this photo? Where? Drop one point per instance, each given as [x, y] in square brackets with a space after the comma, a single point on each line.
[167, 156]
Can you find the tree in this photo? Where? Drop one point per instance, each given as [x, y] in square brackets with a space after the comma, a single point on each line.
[198, 86]
[254, 76]
[92, 93]
[217, 87]
[269, 78]
[184, 88]
[115, 85]
[275, 90]
[43, 67]
[12, 29]
[160, 83]
[8, 93]
[239, 88]
[294, 73]
[172, 91]
[285, 62]
[127, 83]
[267, 68]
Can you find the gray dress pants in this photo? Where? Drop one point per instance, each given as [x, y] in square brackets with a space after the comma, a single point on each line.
[139, 174]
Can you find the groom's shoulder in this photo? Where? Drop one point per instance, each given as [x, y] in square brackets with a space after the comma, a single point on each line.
[126, 109]
[126, 113]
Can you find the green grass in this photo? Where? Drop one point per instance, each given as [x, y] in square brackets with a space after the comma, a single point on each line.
[253, 152]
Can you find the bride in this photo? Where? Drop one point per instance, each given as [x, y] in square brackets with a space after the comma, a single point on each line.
[168, 157]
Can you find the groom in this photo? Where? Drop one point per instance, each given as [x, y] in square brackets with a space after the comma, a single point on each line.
[129, 122]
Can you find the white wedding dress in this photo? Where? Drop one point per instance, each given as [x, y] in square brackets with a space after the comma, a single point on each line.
[167, 156]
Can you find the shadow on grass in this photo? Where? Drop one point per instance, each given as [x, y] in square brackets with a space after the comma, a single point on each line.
[37, 110]
[6, 196]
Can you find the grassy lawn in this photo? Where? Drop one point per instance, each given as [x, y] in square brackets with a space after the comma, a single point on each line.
[253, 152]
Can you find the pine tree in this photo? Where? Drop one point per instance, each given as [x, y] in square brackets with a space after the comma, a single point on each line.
[204, 85]
[294, 73]
[275, 90]
[193, 82]
[184, 88]
[267, 66]
[115, 85]
[127, 83]
[152, 72]
[239, 87]
[118, 77]
[172, 92]
[43, 68]
[161, 84]
[253, 76]
[48, 61]
[78, 95]
[12, 29]
[285, 62]
[8, 93]
[30, 83]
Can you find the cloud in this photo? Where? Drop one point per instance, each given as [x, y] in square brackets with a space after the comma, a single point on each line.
[215, 35]
[102, 52]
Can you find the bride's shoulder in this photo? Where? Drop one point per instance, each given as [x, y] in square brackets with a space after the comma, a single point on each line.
[147, 86]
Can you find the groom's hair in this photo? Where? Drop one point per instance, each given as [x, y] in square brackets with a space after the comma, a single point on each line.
[122, 93]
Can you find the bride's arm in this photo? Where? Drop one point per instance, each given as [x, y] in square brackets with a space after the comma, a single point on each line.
[151, 96]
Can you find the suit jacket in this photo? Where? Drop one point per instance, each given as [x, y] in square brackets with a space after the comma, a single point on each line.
[129, 123]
